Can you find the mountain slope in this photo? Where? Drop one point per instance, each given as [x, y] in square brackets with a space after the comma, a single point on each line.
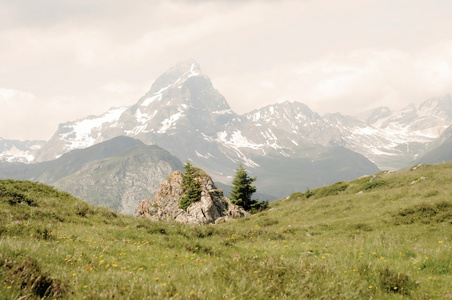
[117, 173]
[405, 135]
[183, 113]
[390, 139]
[440, 151]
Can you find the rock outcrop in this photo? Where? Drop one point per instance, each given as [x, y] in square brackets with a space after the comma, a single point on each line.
[213, 207]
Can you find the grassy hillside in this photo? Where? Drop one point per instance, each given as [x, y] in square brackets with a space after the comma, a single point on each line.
[387, 236]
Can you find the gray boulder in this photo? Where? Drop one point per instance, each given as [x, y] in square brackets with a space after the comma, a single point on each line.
[213, 207]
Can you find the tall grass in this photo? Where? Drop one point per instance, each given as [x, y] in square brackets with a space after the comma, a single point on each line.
[351, 240]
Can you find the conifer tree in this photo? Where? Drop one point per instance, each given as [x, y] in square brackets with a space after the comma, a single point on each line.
[242, 188]
[190, 186]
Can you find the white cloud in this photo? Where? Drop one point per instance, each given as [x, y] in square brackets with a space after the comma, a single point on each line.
[345, 56]
[117, 87]
[12, 95]
[267, 84]
[355, 81]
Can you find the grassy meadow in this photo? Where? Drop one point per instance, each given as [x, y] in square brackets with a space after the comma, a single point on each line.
[387, 236]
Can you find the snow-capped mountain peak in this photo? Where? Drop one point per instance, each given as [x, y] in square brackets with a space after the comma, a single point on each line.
[175, 76]
[438, 107]
[373, 115]
[182, 112]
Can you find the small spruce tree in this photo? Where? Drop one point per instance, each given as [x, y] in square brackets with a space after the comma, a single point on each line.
[242, 190]
[190, 186]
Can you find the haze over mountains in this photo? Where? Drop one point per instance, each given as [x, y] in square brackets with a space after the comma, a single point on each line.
[287, 145]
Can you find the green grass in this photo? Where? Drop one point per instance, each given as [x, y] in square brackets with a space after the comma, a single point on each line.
[386, 236]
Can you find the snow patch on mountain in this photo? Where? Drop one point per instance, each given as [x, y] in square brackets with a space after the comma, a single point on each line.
[157, 96]
[83, 133]
[16, 155]
[143, 117]
[19, 151]
[167, 123]
[237, 140]
[207, 156]
[223, 112]
[137, 130]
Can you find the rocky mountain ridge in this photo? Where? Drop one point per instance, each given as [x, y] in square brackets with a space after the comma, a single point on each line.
[183, 102]
[184, 114]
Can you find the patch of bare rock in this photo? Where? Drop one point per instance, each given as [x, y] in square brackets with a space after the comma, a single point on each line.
[212, 208]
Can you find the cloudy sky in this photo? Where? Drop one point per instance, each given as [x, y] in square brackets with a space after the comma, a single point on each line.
[61, 60]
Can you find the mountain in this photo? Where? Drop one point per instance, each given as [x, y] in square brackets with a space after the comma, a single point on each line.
[180, 104]
[428, 119]
[390, 139]
[400, 137]
[184, 114]
[117, 173]
[19, 151]
[440, 151]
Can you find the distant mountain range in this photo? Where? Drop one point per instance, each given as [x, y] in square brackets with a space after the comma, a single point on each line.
[19, 151]
[286, 145]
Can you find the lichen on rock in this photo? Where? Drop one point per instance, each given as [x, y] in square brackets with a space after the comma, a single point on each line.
[212, 207]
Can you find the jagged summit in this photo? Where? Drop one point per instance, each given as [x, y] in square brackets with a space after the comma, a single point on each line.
[176, 75]
[184, 114]
[372, 115]
[184, 85]
[437, 106]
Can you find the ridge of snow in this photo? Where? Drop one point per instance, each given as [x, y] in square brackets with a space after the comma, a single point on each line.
[83, 129]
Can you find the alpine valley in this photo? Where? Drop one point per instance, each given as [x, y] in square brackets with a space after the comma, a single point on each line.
[183, 117]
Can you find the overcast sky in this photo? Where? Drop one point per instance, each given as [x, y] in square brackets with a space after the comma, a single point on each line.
[61, 60]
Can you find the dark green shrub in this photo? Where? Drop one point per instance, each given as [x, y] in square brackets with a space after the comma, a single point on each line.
[264, 222]
[82, 209]
[425, 213]
[14, 197]
[309, 193]
[28, 277]
[44, 233]
[374, 184]
[332, 190]
[362, 227]
[296, 196]
[397, 283]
